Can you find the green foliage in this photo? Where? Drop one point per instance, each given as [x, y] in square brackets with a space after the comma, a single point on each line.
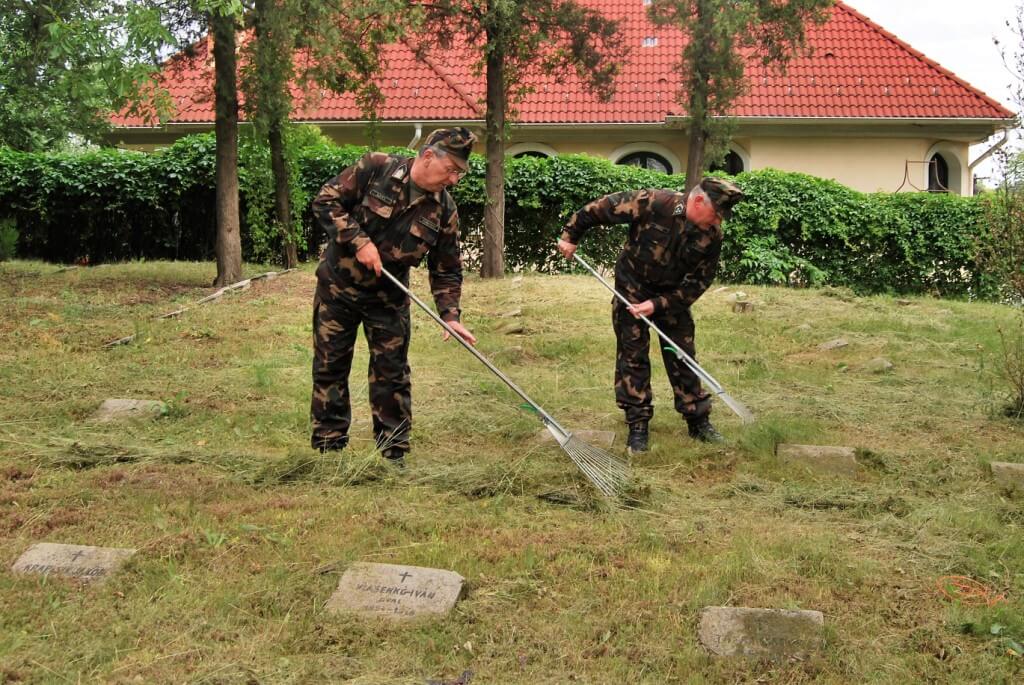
[798, 229]
[1011, 366]
[68, 63]
[112, 204]
[521, 34]
[794, 229]
[8, 239]
[261, 242]
[1002, 252]
[721, 36]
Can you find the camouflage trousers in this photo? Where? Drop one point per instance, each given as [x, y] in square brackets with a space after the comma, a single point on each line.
[633, 364]
[387, 330]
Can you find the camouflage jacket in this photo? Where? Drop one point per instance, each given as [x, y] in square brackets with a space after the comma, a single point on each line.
[369, 201]
[666, 259]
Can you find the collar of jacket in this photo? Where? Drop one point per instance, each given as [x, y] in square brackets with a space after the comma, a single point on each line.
[401, 175]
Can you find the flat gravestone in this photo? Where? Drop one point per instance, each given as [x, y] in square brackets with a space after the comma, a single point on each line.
[833, 344]
[73, 561]
[596, 438]
[743, 307]
[760, 633]
[877, 365]
[395, 592]
[1010, 476]
[821, 458]
[512, 328]
[121, 410]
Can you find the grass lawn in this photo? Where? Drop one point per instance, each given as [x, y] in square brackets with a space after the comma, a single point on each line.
[243, 532]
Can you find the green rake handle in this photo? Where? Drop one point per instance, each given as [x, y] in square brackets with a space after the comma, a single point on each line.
[560, 433]
[745, 414]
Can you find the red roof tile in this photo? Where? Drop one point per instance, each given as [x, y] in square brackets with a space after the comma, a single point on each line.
[856, 69]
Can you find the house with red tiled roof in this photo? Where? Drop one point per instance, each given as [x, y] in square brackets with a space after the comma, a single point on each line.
[863, 107]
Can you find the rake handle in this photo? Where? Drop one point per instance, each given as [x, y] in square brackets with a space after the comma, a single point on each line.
[547, 418]
[679, 352]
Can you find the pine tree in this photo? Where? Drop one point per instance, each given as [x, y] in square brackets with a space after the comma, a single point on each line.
[720, 36]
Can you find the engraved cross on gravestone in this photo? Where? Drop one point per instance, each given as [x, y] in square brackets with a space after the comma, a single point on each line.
[73, 561]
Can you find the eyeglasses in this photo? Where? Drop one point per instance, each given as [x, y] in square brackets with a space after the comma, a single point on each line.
[458, 172]
[450, 167]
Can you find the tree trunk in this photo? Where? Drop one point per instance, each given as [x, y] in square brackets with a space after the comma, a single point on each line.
[695, 154]
[493, 265]
[228, 248]
[700, 72]
[282, 196]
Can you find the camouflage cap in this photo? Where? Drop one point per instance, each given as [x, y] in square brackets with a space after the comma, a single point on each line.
[723, 194]
[456, 142]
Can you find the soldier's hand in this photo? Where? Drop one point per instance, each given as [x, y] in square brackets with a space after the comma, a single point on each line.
[462, 331]
[645, 308]
[566, 248]
[368, 256]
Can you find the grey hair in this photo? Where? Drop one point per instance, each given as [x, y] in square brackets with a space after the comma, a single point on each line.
[438, 152]
[697, 191]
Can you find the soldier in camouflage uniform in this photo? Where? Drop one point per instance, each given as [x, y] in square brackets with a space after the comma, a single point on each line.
[384, 212]
[669, 260]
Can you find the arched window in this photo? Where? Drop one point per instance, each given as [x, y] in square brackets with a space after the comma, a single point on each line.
[938, 174]
[945, 169]
[733, 164]
[530, 150]
[647, 160]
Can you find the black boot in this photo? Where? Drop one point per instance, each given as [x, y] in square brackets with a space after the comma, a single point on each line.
[637, 440]
[325, 445]
[701, 429]
[395, 457]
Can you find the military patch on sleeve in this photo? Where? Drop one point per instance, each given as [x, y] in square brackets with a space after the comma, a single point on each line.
[678, 210]
[383, 197]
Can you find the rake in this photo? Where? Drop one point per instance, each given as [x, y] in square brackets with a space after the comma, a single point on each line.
[609, 474]
[745, 414]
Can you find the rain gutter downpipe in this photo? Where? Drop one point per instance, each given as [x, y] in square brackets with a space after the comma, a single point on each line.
[985, 155]
[416, 137]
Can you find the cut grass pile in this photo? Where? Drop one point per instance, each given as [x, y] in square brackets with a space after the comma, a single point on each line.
[242, 531]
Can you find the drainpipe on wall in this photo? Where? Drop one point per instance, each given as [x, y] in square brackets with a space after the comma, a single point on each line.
[985, 155]
[416, 137]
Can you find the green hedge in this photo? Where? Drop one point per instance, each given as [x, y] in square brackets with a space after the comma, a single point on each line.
[794, 229]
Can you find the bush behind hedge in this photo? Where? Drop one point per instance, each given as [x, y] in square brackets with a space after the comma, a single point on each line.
[115, 205]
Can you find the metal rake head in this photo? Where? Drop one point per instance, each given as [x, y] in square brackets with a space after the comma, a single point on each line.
[609, 474]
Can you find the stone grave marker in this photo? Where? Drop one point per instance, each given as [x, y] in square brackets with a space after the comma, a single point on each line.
[512, 328]
[877, 365]
[833, 344]
[73, 561]
[120, 410]
[395, 592]
[1009, 476]
[760, 633]
[821, 458]
[743, 307]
